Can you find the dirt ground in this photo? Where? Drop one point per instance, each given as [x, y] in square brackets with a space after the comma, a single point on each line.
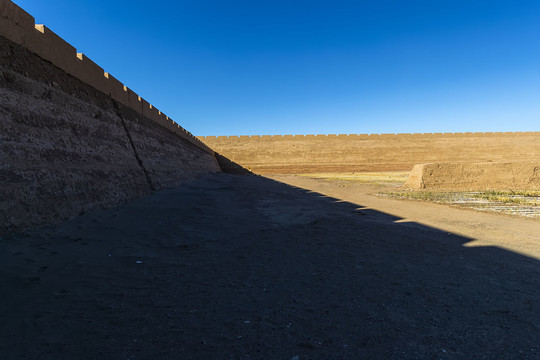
[232, 267]
[513, 233]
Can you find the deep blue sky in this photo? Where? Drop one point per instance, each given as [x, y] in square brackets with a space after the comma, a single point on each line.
[243, 67]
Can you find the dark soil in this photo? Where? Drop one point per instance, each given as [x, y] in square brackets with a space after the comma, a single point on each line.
[232, 267]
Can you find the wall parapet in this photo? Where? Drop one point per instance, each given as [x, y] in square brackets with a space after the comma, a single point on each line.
[20, 27]
[371, 136]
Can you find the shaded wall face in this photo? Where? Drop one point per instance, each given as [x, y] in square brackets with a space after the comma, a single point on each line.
[349, 153]
[66, 148]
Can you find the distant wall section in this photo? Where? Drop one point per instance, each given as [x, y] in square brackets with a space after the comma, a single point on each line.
[384, 152]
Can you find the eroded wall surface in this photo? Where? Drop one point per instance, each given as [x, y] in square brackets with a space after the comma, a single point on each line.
[67, 147]
[476, 176]
[19, 26]
[385, 152]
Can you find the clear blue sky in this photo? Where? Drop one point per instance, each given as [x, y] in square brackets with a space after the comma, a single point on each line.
[246, 67]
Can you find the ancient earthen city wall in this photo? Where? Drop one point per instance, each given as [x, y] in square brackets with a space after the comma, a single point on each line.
[385, 152]
[68, 143]
[19, 26]
[73, 138]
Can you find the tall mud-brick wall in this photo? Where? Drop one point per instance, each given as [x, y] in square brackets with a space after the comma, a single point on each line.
[386, 152]
[73, 138]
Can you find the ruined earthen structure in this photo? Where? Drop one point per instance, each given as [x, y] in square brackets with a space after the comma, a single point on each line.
[476, 176]
[19, 27]
[386, 152]
[73, 138]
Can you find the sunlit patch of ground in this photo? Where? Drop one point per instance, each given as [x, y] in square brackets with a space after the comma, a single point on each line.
[376, 178]
[523, 203]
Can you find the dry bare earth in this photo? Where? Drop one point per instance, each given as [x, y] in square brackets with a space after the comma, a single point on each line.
[514, 233]
[251, 268]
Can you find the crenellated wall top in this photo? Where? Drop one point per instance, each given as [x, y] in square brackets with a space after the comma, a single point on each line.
[20, 27]
[368, 136]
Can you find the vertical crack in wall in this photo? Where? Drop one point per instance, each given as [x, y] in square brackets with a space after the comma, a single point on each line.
[137, 156]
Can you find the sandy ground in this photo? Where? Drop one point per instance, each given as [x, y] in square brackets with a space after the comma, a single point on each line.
[231, 267]
[514, 233]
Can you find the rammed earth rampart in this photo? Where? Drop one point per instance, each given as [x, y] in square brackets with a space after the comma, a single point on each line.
[72, 138]
[376, 152]
[476, 176]
[19, 26]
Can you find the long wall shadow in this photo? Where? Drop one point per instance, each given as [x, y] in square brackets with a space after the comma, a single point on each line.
[247, 267]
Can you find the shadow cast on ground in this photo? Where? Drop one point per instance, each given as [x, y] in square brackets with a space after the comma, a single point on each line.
[244, 267]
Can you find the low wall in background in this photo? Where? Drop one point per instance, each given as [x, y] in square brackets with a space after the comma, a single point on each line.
[68, 147]
[476, 176]
[386, 152]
